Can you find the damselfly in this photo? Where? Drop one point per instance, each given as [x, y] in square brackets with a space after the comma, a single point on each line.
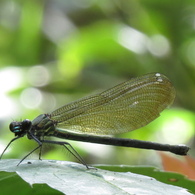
[123, 108]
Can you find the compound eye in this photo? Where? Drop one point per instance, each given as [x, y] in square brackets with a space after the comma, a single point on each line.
[15, 127]
[20, 128]
[11, 126]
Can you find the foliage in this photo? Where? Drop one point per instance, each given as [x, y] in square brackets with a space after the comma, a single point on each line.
[54, 52]
[72, 178]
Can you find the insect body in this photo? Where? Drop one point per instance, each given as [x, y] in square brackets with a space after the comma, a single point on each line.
[123, 108]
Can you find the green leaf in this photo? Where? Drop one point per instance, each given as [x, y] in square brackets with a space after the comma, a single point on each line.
[11, 182]
[165, 177]
[73, 178]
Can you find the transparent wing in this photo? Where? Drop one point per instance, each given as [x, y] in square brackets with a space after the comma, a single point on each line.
[125, 107]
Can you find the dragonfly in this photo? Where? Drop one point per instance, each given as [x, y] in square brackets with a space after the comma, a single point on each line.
[127, 106]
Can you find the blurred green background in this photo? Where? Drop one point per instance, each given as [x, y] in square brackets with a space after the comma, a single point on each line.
[55, 51]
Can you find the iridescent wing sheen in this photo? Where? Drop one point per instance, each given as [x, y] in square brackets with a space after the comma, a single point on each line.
[125, 107]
